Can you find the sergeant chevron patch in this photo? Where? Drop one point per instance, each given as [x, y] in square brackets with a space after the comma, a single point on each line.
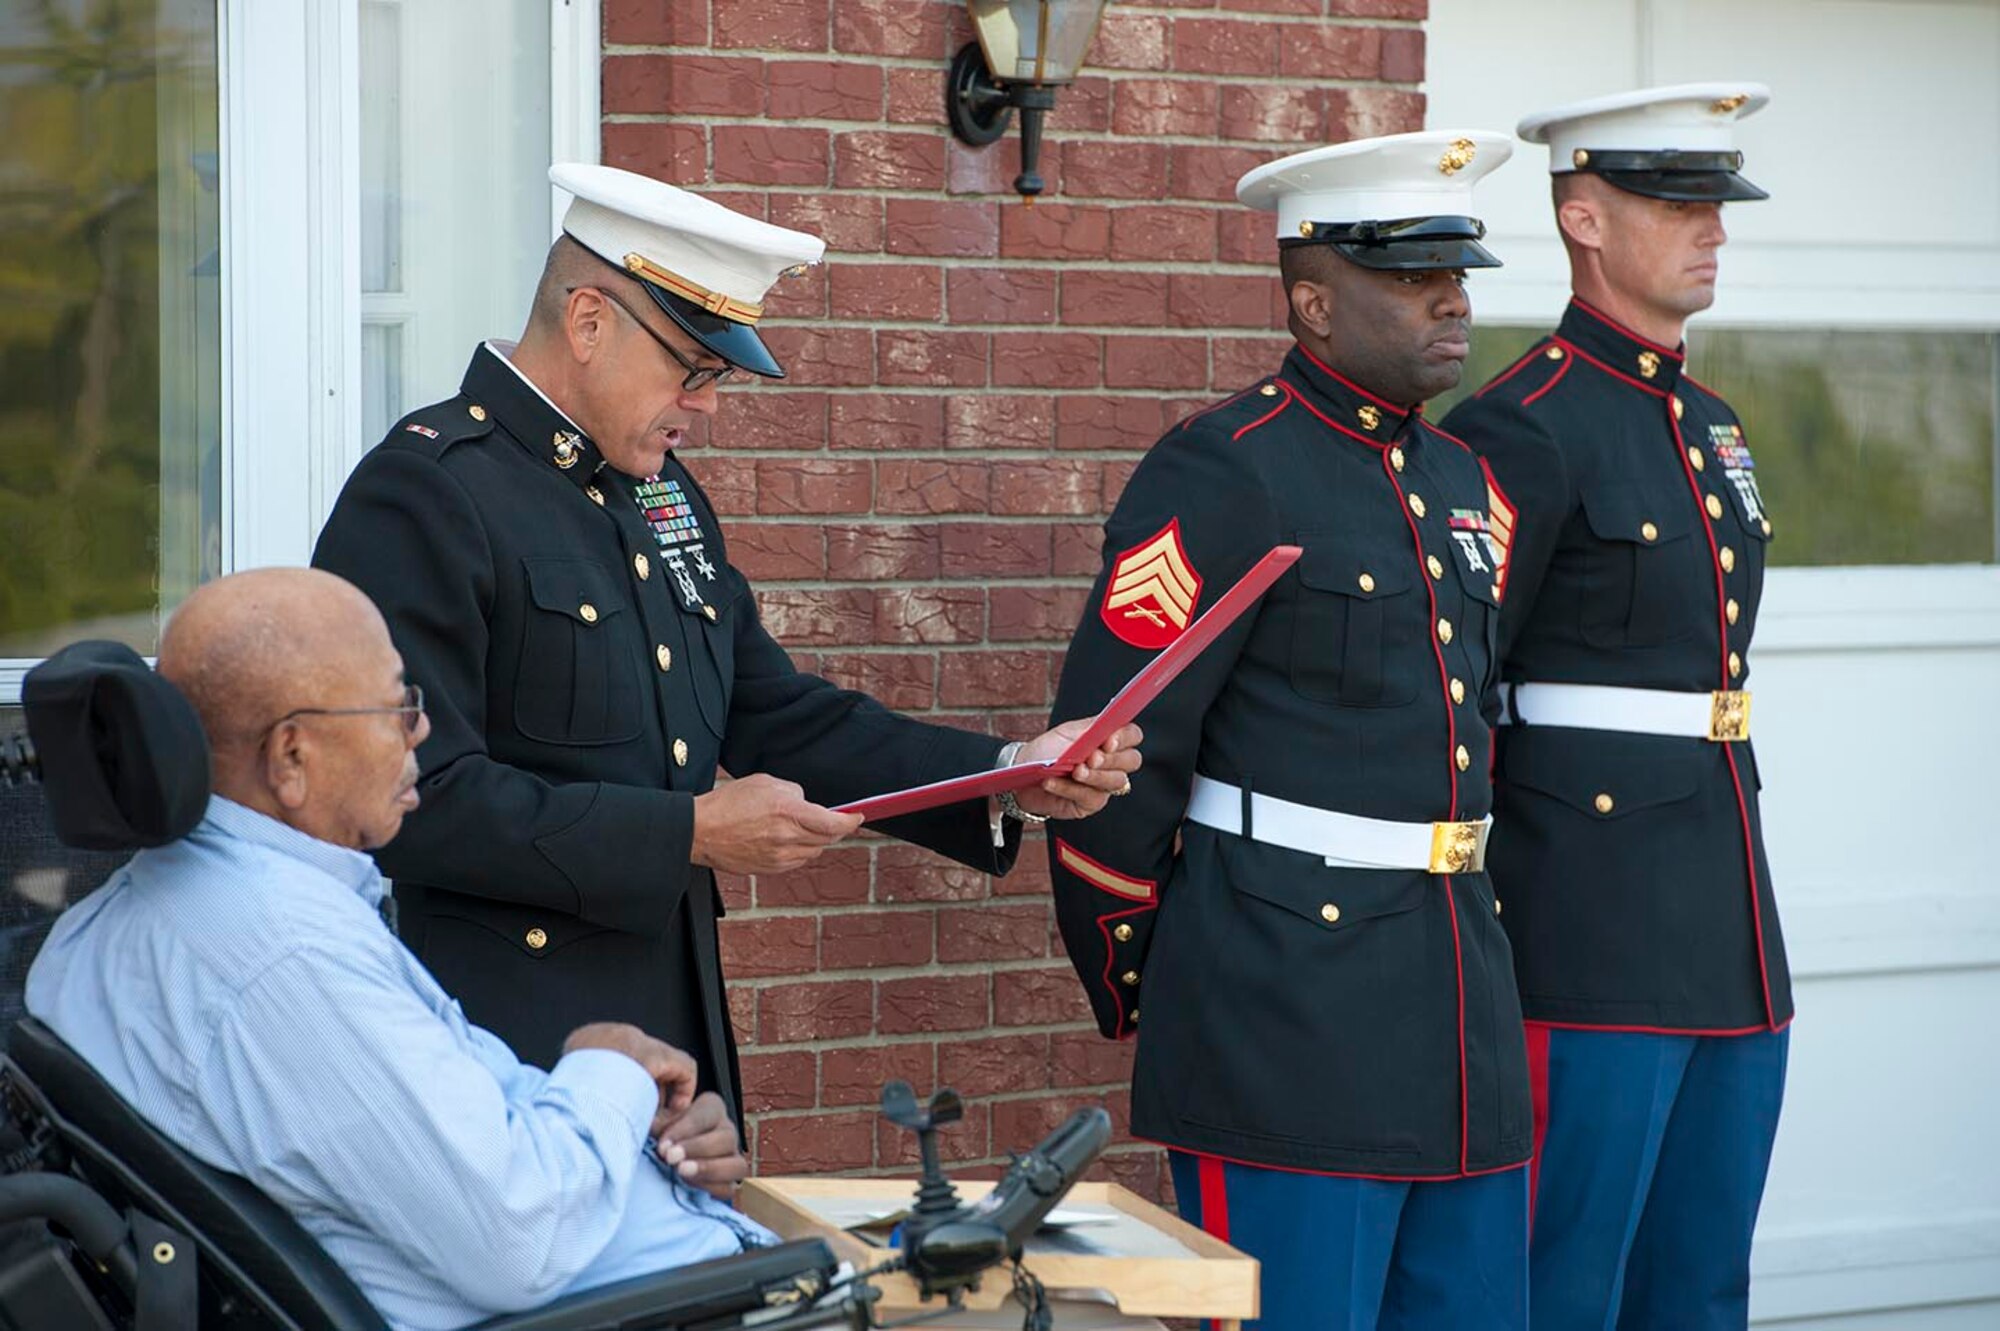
[1152, 592]
[1500, 517]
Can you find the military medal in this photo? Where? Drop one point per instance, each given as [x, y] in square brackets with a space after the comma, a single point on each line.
[1734, 455]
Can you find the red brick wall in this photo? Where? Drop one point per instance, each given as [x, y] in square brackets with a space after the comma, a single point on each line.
[971, 383]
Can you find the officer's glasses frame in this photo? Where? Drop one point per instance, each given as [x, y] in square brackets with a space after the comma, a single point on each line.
[698, 376]
[411, 710]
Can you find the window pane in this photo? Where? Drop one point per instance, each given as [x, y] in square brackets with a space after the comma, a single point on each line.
[1872, 447]
[110, 318]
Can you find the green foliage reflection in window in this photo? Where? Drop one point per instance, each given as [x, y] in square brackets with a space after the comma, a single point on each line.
[1872, 447]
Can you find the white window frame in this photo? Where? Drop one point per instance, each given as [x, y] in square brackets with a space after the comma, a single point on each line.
[289, 75]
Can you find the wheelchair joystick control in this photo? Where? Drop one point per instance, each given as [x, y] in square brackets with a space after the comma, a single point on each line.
[935, 1194]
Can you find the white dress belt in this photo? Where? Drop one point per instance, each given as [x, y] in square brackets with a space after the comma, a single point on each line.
[1721, 715]
[1343, 840]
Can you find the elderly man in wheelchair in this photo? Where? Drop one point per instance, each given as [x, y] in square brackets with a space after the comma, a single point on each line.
[239, 1101]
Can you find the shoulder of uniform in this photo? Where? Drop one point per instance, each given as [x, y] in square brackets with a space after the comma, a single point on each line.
[435, 428]
[1707, 392]
[1240, 414]
[1530, 378]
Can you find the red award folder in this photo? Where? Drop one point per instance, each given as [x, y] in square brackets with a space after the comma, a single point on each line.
[1141, 689]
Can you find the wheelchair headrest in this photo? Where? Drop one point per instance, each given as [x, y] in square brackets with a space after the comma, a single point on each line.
[123, 758]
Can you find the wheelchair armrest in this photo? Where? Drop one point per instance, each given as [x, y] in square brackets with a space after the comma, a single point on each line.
[789, 1273]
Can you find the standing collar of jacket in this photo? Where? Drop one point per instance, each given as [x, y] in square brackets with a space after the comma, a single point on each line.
[494, 384]
[1346, 405]
[1619, 351]
[235, 822]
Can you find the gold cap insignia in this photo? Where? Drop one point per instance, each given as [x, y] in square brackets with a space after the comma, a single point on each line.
[1722, 106]
[1369, 417]
[1457, 157]
[1581, 157]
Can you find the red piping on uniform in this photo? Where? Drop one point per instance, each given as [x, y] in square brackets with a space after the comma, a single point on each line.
[1639, 384]
[1533, 354]
[1451, 772]
[1334, 1173]
[1284, 401]
[1622, 330]
[1329, 421]
[1214, 1184]
[1343, 379]
[1538, 1095]
[1735, 777]
[1554, 379]
[1659, 1030]
[1104, 923]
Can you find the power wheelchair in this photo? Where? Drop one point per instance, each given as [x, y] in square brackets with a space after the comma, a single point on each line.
[105, 1225]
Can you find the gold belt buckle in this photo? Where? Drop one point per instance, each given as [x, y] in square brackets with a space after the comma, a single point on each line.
[1458, 847]
[1729, 715]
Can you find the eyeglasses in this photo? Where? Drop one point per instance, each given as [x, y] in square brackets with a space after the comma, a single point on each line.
[411, 710]
[698, 376]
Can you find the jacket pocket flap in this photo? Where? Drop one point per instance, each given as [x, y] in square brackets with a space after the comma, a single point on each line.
[1334, 562]
[1627, 773]
[579, 588]
[1334, 899]
[1631, 512]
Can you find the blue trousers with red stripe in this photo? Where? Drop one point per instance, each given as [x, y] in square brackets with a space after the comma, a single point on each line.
[1355, 1254]
[1650, 1166]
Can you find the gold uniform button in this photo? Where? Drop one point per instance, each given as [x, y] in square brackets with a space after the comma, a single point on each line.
[709, 610]
[1367, 581]
[1129, 978]
[1330, 913]
[1714, 506]
[596, 495]
[1462, 758]
[537, 939]
[1444, 630]
[680, 753]
[1417, 505]
[1727, 558]
[1604, 803]
[1496, 905]
[1436, 567]
[1732, 610]
[642, 566]
[1396, 458]
[1649, 531]
[1735, 665]
[587, 612]
[1269, 390]
[1123, 933]
[665, 656]
[1135, 1011]
[1678, 408]
[476, 411]
[1458, 690]
[1695, 458]
[1554, 353]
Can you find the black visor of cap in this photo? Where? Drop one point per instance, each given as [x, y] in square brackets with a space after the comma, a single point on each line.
[1680, 176]
[734, 342]
[1410, 244]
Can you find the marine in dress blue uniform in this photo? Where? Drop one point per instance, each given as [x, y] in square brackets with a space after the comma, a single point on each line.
[1293, 894]
[591, 657]
[1627, 840]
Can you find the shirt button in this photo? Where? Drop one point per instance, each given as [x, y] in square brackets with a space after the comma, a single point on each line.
[1604, 803]
[680, 753]
[1735, 665]
[642, 566]
[1458, 690]
[1396, 458]
[1123, 933]
[1432, 563]
[1129, 978]
[1695, 459]
[1727, 558]
[1417, 505]
[665, 656]
[1732, 610]
[1462, 758]
[1330, 913]
[1367, 581]
[1649, 531]
[1444, 630]
[537, 939]
[587, 613]
[1714, 506]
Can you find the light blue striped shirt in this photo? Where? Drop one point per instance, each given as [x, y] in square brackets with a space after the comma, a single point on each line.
[240, 989]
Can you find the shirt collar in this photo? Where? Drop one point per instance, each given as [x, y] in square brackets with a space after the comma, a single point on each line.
[497, 386]
[348, 867]
[1346, 405]
[1598, 337]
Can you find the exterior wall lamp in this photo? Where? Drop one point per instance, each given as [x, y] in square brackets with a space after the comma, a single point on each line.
[1026, 50]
